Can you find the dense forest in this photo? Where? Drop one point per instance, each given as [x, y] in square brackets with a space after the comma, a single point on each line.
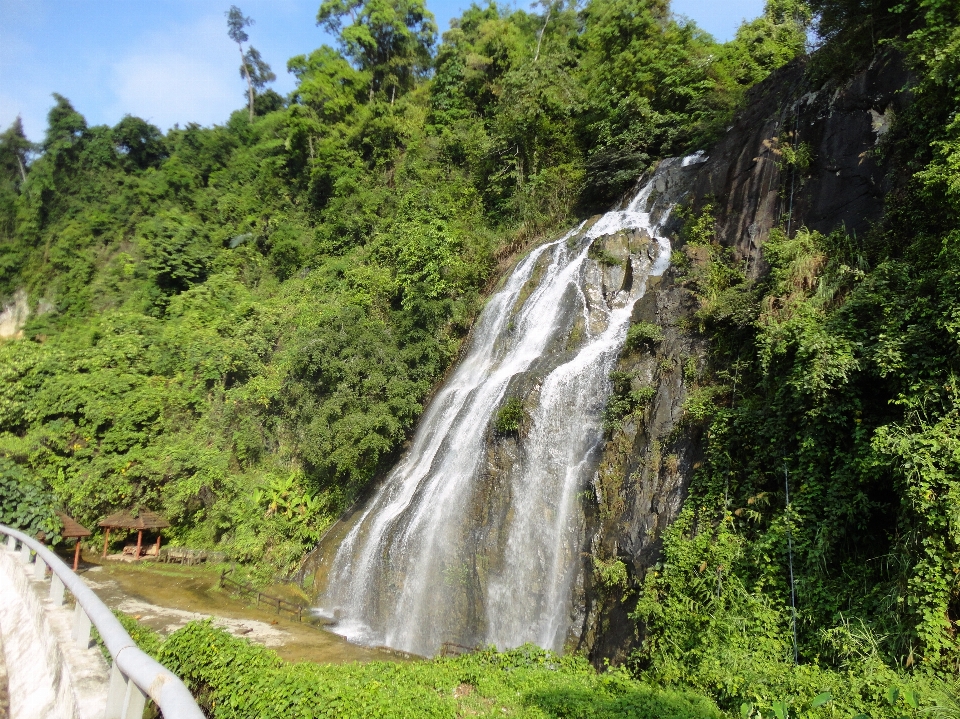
[239, 325]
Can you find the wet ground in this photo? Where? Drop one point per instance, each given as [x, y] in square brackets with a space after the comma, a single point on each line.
[167, 596]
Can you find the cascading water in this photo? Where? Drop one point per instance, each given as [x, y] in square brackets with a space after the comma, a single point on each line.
[475, 538]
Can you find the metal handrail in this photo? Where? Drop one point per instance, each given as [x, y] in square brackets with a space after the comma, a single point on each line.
[144, 673]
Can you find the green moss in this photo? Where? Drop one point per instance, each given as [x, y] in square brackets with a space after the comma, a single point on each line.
[599, 253]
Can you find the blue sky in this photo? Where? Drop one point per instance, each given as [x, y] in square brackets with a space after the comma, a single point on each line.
[170, 61]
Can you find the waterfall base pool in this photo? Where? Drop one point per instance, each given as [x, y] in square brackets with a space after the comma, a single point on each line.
[165, 597]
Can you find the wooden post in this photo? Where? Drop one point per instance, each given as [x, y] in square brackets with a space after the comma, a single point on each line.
[106, 540]
[139, 543]
[158, 546]
[76, 555]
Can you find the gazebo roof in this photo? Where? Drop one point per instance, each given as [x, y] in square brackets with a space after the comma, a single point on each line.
[72, 528]
[145, 519]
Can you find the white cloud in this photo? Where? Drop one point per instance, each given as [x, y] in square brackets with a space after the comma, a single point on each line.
[181, 75]
[166, 89]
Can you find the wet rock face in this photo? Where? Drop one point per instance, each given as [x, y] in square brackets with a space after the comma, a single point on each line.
[647, 464]
[645, 468]
[841, 126]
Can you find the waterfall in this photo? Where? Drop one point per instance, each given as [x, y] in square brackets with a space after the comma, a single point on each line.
[476, 538]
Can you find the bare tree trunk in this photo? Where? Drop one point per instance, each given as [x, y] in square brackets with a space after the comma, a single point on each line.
[542, 30]
[23, 172]
[246, 74]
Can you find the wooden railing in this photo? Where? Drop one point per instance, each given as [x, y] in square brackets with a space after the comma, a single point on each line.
[248, 590]
[450, 649]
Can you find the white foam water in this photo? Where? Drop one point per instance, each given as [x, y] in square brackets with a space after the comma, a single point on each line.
[449, 550]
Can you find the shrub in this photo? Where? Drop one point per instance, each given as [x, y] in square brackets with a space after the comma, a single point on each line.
[643, 335]
[233, 679]
[510, 417]
[25, 504]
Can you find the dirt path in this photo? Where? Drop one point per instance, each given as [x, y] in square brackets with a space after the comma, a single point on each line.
[166, 596]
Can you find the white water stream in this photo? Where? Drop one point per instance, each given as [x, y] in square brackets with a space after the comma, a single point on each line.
[474, 539]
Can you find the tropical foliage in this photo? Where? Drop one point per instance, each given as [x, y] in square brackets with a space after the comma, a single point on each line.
[234, 680]
[817, 551]
[237, 325]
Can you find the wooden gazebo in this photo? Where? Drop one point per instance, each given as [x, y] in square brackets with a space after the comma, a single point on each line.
[144, 520]
[75, 530]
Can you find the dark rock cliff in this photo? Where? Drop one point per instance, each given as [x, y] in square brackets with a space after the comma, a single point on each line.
[648, 463]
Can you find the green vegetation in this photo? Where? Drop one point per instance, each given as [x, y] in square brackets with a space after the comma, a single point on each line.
[598, 253]
[510, 417]
[833, 377]
[625, 401]
[234, 680]
[643, 335]
[237, 326]
[25, 503]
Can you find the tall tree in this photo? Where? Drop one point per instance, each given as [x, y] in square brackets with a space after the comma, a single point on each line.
[391, 39]
[14, 148]
[253, 68]
[257, 70]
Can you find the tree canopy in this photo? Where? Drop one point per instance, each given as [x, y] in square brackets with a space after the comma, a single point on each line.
[389, 39]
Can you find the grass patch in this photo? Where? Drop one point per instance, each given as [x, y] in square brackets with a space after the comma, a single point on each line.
[643, 335]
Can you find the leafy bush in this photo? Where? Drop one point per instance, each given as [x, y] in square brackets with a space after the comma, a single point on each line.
[700, 404]
[234, 679]
[610, 574]
[510, 417]
[707, 629]
[643, 335]
[25, 504]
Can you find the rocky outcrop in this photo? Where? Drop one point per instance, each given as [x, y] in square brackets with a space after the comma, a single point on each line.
[15, 312]
[796, 156]
[645, 469]
[14, 316]
[838, 127]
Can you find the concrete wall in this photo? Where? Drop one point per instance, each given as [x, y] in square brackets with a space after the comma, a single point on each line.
[49, 677]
